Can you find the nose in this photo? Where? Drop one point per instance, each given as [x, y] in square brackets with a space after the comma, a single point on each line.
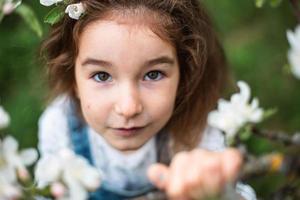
[128, 103]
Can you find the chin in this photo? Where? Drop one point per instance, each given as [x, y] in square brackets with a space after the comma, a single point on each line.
[127, 148]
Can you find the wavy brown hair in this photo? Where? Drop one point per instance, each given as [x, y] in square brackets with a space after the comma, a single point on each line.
[184, 24]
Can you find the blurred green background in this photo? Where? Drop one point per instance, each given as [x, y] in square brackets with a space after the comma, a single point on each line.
[255, 44]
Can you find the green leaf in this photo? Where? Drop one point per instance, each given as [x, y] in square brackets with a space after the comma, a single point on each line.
[270, 112]
[1, 13]
[275, 3]
[30, 18]
[245, 133]
[1, 16]
[287, 69]
[55, 15]
[260, 3]
[230, 141]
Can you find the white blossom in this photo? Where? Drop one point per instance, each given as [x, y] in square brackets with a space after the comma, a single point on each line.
[49, 2]
[8, 190]
[48, 170]
[4, 118]
[74, 171]
[294, 52]
[10, 5]
[12, 165]
[234, 114]
[75, 10]
[14, 160]
[8, 181]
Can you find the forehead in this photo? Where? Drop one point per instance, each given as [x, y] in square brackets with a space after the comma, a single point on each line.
[113, 40]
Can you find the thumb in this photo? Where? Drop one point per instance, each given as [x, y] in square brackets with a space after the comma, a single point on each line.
[158, 175]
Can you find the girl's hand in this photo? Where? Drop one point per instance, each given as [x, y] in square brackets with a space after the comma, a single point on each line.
[196, 174]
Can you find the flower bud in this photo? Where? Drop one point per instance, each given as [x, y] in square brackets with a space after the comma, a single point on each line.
[57, 190]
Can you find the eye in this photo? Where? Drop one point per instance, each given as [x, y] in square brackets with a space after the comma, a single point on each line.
[154, 76]
[102, 77]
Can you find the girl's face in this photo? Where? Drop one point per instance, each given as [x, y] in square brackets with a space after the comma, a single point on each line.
[126, 80]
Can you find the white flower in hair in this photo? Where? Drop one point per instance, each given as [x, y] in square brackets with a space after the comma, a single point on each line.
[294, 52]
[75, 10]
[49, 2]
[9, 6]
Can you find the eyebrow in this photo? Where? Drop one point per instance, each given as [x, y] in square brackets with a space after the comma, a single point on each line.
[155, 61]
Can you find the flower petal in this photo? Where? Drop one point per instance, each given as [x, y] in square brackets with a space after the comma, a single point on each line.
[91, 178]
[10, 145]
[29, 156]
[244, 91]
[294, 38]
[294, 60]
[76, 190]
[75, 10]
[4, 118]
[48, 169]
[49, 2]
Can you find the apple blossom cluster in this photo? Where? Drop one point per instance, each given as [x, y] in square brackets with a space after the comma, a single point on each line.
[232, 115]
[12, 162]
[294, 52]
[13, 167]
[73, 10]
[68, 175]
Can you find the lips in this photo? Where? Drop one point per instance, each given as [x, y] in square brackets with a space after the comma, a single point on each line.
[129, 129]
[127, 132]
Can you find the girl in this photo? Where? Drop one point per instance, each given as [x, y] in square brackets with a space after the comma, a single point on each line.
[133, 82]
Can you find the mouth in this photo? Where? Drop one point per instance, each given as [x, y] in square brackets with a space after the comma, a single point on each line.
[127, 132]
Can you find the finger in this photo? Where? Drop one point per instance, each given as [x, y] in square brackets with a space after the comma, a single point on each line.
[206, 178]
[232, 161]
[212, 178]
[158, 175]
[194, 174]
[176, 188]
[215, 168]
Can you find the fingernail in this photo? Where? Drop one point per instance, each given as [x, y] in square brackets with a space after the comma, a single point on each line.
[161, 177]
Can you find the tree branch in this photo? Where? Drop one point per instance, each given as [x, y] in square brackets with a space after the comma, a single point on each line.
[281, 137]
[273, 162]
[296, 9]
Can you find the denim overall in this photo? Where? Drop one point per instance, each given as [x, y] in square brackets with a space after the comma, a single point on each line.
[80, 142]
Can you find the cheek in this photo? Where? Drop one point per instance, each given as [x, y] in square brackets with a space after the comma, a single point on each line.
[95, 103]
[162, 103]
[94, 110]
[86, 108]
